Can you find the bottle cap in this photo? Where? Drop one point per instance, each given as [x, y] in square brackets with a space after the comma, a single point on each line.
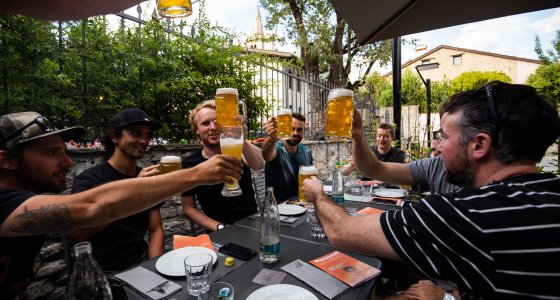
[229, 261]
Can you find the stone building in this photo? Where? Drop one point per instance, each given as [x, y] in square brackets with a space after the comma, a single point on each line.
[453, 61]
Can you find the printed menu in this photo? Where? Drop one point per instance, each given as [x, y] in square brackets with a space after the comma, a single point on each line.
[369, 211]
[345, 268]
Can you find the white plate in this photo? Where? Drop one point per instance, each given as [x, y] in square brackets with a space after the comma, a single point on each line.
[290, 209]
[389, 193]
[172, 262]
[282, 292]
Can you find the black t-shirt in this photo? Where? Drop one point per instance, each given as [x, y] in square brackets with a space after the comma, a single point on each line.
[223, 209]
[17, 254]
[394, 155]
[121, 244]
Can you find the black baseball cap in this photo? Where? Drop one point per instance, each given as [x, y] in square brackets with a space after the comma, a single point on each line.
[133, 116]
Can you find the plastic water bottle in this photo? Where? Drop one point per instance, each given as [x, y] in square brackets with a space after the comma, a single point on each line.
[87, 280]
[338, 186]
[269, 229]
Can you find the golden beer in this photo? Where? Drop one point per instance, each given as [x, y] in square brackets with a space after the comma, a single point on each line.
[231, 143]
[174, 8]
[340, 112]
[304, 173]
[168, 164]
[227, 106]
[284, 124]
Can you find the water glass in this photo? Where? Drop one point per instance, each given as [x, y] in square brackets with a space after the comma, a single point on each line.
[218, 290]
[198, 267]
[316, 229]
[367, 192]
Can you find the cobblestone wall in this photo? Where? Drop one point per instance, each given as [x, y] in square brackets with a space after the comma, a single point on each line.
[50, 275]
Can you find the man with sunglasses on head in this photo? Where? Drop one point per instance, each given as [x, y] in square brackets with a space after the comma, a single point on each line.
[33, 162]
[120, 244]
[496, 238]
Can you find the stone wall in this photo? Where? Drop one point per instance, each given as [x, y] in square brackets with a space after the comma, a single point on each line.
[50, 275]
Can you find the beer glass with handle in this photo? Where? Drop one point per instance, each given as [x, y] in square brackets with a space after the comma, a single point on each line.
[168, 164]
[174, 8]
[305, 172]
[340, 111]
[227, 107]
[284, 124]
[231, 143]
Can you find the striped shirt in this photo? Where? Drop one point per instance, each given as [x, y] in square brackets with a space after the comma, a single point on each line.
[501, 241]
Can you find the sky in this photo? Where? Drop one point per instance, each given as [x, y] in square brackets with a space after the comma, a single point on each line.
[513, 35]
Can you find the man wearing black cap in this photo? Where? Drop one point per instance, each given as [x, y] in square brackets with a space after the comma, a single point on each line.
[33, 161]
[120, 244]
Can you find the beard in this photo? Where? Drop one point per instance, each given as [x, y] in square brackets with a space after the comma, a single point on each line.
[37, 183]
[294, 141]
[463, 175]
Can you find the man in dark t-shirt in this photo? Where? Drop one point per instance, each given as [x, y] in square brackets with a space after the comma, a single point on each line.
[217, 210]
[34, 165]
[120, 244]
[384, 151]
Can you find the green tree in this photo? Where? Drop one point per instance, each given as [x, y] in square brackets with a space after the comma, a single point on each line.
[470, 80]
[551, 55]
[325, 41]
[83, 72]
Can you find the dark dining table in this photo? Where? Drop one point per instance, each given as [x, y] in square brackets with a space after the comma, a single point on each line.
[241, 277]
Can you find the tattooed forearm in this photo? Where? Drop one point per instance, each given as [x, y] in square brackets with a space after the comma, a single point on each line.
[49, 219]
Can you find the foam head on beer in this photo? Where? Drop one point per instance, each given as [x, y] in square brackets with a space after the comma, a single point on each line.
[169, 164]
[339, 93]
[232, 146]
[228, 91]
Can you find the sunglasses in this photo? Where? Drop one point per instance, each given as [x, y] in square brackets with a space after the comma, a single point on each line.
[44, 124]
[487, 88]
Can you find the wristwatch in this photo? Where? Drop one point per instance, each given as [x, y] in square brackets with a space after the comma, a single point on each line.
[220, 226]
[448, 296]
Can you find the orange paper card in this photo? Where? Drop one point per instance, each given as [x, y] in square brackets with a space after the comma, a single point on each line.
[369, 211]
[203, 240]
[345, 268]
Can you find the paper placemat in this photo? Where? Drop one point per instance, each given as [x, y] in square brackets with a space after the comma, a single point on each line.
[321, 281]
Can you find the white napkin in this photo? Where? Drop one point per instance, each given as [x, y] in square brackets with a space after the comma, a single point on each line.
[149, 283]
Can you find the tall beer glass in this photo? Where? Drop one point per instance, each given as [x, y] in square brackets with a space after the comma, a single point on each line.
[168, 164]
[284, 124]
[304, 173]
[340, 111]
[227, 106]
[231, 143]
[174, 8]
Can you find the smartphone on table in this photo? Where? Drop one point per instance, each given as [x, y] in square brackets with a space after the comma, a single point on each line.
[237, 251]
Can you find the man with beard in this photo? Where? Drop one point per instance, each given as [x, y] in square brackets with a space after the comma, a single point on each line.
[217, 210]
[33, 161]
[494, 238]
[284, 157]
[384, 150]
[120, 244]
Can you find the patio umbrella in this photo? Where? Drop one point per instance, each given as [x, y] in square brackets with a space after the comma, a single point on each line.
[64, 9]
[376, 20]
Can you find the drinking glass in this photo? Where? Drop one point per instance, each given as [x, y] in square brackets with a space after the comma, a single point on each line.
[198, 267]
[340, 112]
[168, 164]
[305, 171]
[174, 8]
[284, 124]
[227, 107]
[231, 143]
[218, 290]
